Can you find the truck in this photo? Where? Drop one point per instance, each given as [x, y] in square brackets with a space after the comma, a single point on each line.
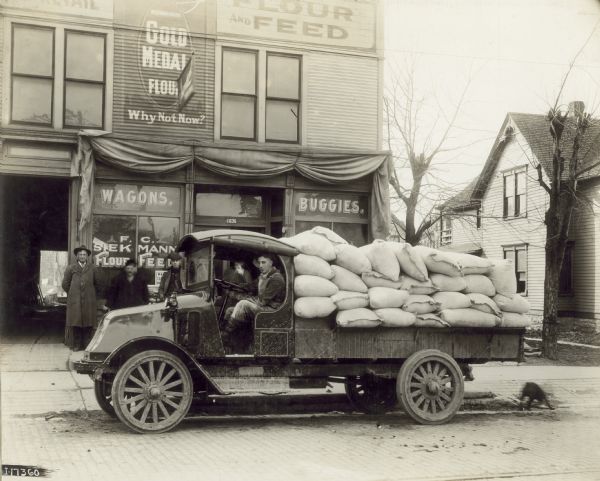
[150, 363]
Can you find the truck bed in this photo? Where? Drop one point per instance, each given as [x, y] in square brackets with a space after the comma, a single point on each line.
[319, 339]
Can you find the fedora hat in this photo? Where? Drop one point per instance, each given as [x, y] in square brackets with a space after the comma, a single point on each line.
[174, 256]
[82, 248]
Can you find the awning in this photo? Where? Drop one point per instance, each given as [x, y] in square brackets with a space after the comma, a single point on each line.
[321, 166]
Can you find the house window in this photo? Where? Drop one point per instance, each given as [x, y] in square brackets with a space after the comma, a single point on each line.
[32, 74]
[446, 230]
[518, 256]
[283, 98]
[84, 79]
[565, 285]
[35, 50]
[238, 94]
[515, 200]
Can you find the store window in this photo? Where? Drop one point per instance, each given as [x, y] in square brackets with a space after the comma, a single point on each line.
[84, 79]
[345, 214]
[135, 221]
[218, 209]
[32, 74]
[515, 193]
[518, 256]
[283, 98]
[34, 82]
[238, 94]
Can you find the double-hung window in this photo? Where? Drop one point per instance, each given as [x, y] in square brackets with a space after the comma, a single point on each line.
[32, 74]
[515, 193]
[35, 84]
[238, 94]
[518, 255]
[260, 96]
[84, 79]
[283, 98]
[446, 230]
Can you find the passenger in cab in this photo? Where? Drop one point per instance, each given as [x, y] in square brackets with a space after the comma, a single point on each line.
[271, 294]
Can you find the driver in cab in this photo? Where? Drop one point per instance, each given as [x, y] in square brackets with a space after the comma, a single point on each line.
[271, 294]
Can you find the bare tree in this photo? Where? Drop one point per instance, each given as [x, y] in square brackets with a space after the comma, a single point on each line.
[415, 154]
[569, 129]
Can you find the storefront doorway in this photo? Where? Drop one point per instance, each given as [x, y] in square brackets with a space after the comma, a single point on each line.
[35, 215]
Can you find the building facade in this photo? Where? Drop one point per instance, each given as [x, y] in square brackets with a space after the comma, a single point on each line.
[140, 121]
[501, 215]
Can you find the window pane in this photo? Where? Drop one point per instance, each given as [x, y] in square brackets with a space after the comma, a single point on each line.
[509, 185]
[509, 203]
[239, 72]
[33, 50]
[283, 77]
[113, 239]
[83, 104]
[237, 116]
[521, 182]
[85, 56]
[32, 100]
[522, 200]
[157, 237]
[304, 225]
[522, 260]
[355, 234]
[229, 205]
[282, 121]
[521, 283]
[510, 255]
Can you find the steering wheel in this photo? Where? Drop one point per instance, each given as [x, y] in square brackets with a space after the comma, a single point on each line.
[230, 286]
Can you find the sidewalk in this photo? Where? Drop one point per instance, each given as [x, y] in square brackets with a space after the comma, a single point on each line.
[36, 379]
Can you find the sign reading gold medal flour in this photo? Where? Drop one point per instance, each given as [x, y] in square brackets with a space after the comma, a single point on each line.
[151, 58]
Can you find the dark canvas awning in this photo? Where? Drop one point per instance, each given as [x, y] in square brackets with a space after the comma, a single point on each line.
[321, 166]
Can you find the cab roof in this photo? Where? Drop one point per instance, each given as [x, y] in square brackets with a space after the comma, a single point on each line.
[237, 238]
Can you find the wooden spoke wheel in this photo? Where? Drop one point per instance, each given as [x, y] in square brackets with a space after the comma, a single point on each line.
[102, 390]
[152, 392]
[370, 394]
[430, 387]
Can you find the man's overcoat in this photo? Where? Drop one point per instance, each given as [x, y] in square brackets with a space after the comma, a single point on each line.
[80, 284]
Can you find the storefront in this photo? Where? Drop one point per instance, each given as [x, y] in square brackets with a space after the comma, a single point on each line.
[145, 195]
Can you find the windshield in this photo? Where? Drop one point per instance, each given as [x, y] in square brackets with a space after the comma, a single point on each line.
[198, 268]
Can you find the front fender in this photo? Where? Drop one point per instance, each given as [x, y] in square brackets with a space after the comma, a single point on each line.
[117, 357]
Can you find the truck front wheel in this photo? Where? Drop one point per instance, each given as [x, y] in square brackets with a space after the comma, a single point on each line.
[102, 390]
[152, 392]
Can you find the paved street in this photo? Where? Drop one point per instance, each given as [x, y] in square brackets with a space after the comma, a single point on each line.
[542, 445]
[50, 419]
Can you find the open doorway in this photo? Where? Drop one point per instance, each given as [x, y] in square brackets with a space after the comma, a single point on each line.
[35, 214]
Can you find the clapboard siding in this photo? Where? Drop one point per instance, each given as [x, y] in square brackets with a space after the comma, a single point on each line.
[586, 254]
[2, 65]
[464, 228]
[131, 85]
[530, 229]
[342, 101]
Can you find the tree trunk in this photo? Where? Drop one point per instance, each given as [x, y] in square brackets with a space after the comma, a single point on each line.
[555, 248]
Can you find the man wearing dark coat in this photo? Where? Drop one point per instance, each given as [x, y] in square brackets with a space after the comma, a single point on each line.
[128, 288]
[171, 279]
[80, 284]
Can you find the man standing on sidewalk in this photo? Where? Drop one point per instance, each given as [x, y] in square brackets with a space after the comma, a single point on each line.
[128, 288]
[80, 284]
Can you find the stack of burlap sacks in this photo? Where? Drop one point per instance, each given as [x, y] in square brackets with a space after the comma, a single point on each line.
[397, 285]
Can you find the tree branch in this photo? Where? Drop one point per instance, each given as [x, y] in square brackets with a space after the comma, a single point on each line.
[541, 181]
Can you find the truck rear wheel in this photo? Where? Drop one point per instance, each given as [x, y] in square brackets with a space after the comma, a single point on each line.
[152, 392]
[102, 390]
[370, 394]
[430, 387]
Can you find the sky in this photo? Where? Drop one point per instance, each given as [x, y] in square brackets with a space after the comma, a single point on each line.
[510, 55]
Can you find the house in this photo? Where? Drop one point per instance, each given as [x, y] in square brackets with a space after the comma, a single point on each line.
[500, 214]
